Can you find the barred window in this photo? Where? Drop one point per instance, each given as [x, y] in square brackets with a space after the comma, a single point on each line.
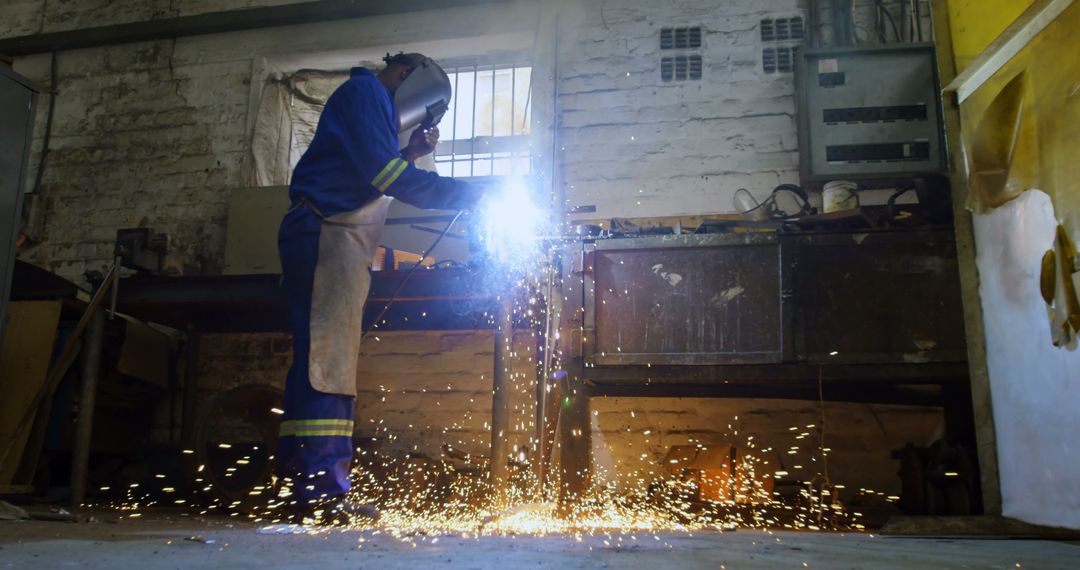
[486, 130]
[484, 133]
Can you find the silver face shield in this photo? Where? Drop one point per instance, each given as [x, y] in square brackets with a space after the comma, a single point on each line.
[423, 97]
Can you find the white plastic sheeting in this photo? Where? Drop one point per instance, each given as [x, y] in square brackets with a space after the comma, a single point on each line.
[285, 123]
[1035, 386]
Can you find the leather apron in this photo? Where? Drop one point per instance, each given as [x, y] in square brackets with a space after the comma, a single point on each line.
[347, 244]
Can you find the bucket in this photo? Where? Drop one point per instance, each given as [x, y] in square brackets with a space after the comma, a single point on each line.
[840, 195]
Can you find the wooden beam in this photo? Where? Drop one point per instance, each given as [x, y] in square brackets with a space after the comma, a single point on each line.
[969, 277]
[575, 439]
[923, 396]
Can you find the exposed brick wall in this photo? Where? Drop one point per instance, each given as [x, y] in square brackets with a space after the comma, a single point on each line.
[431, 388]
[139, 139]
[631, 435]
[416, 390]
[24, 17]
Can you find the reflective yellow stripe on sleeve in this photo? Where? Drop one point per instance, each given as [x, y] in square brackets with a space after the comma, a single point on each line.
[314, 428]
[389, 174]
[397, 172]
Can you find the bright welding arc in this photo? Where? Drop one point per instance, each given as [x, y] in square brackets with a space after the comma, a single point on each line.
[511, 225]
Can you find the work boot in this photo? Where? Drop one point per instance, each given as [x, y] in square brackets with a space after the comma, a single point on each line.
[332, 512]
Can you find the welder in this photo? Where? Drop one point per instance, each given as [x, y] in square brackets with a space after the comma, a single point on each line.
[340, 191]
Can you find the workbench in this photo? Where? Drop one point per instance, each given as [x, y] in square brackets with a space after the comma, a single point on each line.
[458, 298]
[864, 315]
[454, 298]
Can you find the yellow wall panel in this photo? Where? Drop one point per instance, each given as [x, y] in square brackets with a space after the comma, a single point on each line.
[976, 23]
[24, 360]
[1021, 129]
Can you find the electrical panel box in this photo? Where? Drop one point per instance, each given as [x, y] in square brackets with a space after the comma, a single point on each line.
[869, 113]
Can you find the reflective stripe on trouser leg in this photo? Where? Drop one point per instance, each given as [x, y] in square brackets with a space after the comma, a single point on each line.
[315, 448]
[318, 427]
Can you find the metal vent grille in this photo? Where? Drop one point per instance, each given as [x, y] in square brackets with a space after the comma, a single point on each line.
[667, 38]
[796, 28]
[778, 60]
[784, 59]
[768, 31]
[681, 68]
[694, 67]
[768, 60]
[782, 29]
[694, 37]
[686, 37]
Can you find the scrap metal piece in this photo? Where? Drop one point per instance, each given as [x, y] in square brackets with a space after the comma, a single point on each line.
[1048, 276]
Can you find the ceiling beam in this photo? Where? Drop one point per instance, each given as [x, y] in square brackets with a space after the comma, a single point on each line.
[220, 22]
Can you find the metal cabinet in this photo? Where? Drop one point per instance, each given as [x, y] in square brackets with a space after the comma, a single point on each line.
[842, 298]
[688, 299]
[17, 97]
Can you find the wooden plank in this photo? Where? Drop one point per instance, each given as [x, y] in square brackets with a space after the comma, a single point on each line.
[24, 361]
[6, 489]
[973, 526]
[683, 223]
[969, 278]
[575, 439]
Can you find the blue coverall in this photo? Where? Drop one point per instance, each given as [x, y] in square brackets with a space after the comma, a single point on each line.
[352, 160]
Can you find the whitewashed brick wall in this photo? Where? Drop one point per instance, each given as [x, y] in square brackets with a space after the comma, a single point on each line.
[633, 145]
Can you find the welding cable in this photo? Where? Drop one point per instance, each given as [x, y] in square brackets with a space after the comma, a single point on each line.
[892, 21]
[43, 156]
[409, 274]
[757, 205]
[918, 18]
[776, 213]
[913, 219]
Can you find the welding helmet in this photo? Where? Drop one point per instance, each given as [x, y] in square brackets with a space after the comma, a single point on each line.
[423, 97]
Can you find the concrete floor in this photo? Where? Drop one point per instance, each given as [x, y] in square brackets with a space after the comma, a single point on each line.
[165, 542]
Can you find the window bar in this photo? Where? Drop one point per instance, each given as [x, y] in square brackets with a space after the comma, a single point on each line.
[453, 129]
[472, 139]
[525, 109]
[513, 98]
[513, 109]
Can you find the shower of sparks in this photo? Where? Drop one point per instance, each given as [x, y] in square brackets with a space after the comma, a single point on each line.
[424, 493]
[422, 498]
